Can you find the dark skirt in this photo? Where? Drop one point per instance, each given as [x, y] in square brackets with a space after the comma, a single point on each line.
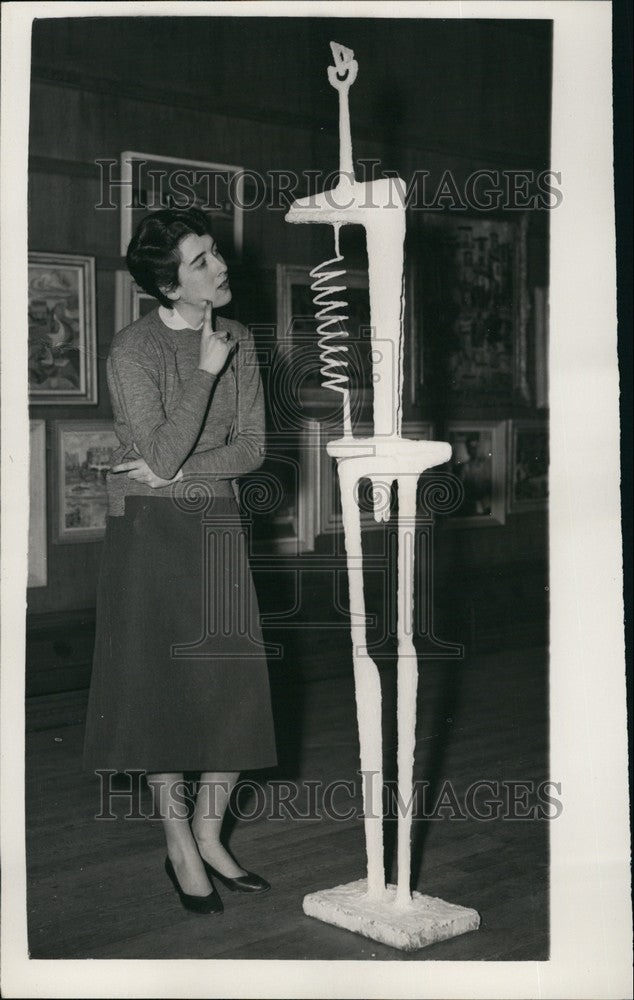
[180, 680]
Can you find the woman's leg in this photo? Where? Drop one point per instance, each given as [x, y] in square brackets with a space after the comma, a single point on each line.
[168, 791]
[214, 792]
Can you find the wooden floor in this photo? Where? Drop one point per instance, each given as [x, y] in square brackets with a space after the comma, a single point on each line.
[96, 889]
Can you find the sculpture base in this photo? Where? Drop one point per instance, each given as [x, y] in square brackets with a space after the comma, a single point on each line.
[426, 919]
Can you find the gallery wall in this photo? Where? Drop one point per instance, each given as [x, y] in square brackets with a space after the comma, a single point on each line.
[253, 92]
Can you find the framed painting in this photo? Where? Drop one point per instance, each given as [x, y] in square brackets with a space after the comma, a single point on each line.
[528, 465]
[413, 331]
[131, 302]
[418, 430]
[83, 453]
[540, 327]
[298, 339]
[471, 310]
[282, 496]
[478, 462]
[37, 504]
[150, 182]
[330, 517]
[62, 330]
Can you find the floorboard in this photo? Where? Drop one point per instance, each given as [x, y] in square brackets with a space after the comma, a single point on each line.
[96, 889]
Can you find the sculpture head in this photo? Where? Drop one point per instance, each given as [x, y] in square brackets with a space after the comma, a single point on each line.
[343, 74]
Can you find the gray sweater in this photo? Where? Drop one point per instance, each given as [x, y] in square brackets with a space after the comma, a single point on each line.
[179, 416]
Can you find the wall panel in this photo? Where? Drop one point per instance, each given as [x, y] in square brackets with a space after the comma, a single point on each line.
[243, 96]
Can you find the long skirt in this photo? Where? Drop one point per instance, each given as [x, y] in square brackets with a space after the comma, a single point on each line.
[180, 680]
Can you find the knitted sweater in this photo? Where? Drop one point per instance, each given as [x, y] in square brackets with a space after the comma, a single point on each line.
[179, 416]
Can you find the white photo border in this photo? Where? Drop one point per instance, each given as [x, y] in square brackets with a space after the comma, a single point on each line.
[591, 917]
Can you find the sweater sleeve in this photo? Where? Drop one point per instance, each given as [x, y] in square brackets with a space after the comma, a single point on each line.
[246, 450]
[164, 442]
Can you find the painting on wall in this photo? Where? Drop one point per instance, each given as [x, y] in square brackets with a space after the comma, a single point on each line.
[62, 330]
[83, 453]
[330, 517]
[472, 314]
[37, 504]
[151, 182]
[131, 302]
[528, 465]
[478, 463]
[298, 339]
[281, 497]
[540, 327]
[414, 359]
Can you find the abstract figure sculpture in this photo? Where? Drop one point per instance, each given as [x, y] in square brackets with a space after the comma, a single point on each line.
[386, 913]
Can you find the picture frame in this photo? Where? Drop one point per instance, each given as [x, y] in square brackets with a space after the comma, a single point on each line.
[528, 464]
[471, 310]
[282, 496]
[413, 332]
[330, 518]
[83, 450]
[151, 182]
[478, 461]
[298, 340]
[37, 556]
[131, 302]
[62, 355]
[540, 328]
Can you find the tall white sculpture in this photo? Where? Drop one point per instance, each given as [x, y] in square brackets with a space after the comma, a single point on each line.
[387, 913]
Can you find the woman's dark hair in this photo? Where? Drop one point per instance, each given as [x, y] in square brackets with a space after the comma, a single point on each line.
[153, 258]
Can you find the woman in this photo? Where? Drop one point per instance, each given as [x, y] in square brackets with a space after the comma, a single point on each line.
[179, 680]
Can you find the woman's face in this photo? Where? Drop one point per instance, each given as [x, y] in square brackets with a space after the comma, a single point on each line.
[202, 273]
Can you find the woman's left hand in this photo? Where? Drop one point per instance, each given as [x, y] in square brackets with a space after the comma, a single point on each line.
[138, 469]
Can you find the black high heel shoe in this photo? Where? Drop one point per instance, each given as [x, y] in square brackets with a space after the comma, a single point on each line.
[195, 904]
[245, 883]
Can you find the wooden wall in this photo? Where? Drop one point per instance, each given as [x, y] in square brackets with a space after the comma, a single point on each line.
[440, 95]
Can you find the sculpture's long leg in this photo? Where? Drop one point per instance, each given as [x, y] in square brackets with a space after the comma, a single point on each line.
[367, 689]
[407, 680]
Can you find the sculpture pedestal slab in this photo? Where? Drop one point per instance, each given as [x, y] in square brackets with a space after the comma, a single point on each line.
[426, 919]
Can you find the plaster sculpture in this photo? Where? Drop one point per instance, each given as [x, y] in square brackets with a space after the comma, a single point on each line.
[386, 913]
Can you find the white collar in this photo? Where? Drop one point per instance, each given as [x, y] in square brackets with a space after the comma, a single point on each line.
[173, 319]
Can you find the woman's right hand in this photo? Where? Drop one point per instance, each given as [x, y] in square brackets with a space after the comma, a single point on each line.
[215, 348]
[137, 468]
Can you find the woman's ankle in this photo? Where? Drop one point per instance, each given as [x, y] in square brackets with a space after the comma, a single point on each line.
[206, 840]
[181, 848]
[218, 857]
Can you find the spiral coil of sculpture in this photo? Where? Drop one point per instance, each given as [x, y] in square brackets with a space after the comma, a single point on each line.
[329, 317]
[391, 914]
